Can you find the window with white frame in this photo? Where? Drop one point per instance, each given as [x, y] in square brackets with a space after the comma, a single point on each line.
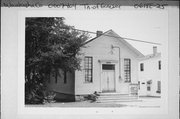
[158, 87]
[88, 67]
[142, 67]
[149, 85]
[127, 70]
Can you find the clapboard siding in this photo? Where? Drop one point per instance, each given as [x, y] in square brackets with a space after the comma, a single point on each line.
[100, 49]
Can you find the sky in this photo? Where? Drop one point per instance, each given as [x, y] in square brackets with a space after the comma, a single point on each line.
[146, 25]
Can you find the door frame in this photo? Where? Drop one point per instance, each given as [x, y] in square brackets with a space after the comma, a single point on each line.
[112, 62]
[113, 80]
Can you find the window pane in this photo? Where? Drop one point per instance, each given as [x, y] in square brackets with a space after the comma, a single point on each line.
[88, 69]
[127, 70]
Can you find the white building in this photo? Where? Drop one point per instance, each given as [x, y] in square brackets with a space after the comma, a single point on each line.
[109, 64]
[150, 74]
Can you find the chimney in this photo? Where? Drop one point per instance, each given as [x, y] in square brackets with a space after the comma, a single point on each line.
[154, 50]
[98, 33]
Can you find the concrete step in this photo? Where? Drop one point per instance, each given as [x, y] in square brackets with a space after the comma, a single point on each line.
[112, 94]
[116, 101]
[116, 94]
[116, 97]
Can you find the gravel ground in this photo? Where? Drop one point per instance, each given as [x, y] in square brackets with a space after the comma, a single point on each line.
[145, 103]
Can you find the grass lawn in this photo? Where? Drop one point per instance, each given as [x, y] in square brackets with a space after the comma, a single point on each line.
[78, 104]
[144, 102]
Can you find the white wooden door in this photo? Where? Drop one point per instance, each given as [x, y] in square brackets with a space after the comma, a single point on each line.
[108, 81]
[143, 88]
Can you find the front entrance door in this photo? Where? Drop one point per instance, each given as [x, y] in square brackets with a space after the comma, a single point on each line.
[108, 78]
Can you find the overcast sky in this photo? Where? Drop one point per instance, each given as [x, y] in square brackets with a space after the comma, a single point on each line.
[146, 25]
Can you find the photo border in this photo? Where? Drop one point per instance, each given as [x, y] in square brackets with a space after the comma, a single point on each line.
[9, 64]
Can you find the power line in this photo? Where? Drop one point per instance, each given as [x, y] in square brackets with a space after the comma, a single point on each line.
[119, 37]
[141, 41]
[113, 36]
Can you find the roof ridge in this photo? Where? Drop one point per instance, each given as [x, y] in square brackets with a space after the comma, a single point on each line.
[149, 56]
[121, 39]
[96, 37]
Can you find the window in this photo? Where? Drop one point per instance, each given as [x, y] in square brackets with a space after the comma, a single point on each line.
[88, 69]
[149, 85]
[158, 87]
[159, 65]
[65, 78]
[54, 74]
[108, 67]
[142, 67]
[148, 88]
[56, 77]
[127, 70]
[49, 77]
[139, 85]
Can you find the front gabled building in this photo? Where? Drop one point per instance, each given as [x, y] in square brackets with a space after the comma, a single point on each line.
[109, 64]
[150, 74]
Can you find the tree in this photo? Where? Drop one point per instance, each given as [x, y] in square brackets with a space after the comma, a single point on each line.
[50, 44]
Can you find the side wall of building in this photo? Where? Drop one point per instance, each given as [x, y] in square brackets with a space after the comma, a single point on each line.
[63, 87]
[151, 73]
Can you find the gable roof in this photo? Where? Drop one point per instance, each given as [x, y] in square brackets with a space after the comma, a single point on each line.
[150, 56]
[138, 53]
[96, 37]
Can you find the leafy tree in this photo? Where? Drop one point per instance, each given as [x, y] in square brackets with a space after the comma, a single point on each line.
[50, 45]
